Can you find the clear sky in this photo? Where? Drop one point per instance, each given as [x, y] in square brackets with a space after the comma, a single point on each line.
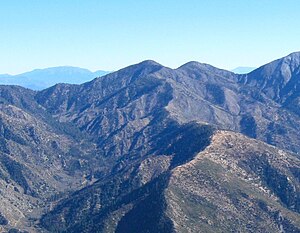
[112, 34]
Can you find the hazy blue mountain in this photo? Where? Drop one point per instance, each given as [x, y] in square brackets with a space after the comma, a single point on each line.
[5, 77]
[43, 78]
[243, 70]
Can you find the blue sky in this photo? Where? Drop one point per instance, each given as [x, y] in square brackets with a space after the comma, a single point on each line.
[109, 35]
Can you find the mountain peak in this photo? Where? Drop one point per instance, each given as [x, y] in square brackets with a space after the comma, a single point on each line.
[294, 55]
[194, 64]
[285, 65]
[149, 63]
[200, 66]
[147, 66]
[147, 137]
[292, 59]
[279, 79]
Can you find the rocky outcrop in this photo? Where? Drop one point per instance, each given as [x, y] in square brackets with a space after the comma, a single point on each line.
[224, 189]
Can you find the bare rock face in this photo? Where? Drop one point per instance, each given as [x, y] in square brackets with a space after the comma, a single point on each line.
[153, 149]
[235, 183]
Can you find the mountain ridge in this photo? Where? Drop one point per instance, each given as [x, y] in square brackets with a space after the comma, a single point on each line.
[279, 80]
[130, 145]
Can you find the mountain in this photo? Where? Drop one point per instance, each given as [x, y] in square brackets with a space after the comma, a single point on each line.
[5, 75]
[240, 190]
[154, 149]
[39, 158]
[243, 70]
[279, 81]
[43, 78]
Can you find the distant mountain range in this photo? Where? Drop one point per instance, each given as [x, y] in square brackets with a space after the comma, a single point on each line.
[40, 79]
[243, 70]
[149, 149]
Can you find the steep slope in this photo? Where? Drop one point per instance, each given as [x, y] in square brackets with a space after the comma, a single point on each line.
[99, 207]
[39, 160]
[118, 110]
[279, 80]
[235, 183]
[206, 94]
[133, 135]
[193, 92]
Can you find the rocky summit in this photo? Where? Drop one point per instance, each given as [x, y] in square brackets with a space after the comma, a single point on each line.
[154, 149]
